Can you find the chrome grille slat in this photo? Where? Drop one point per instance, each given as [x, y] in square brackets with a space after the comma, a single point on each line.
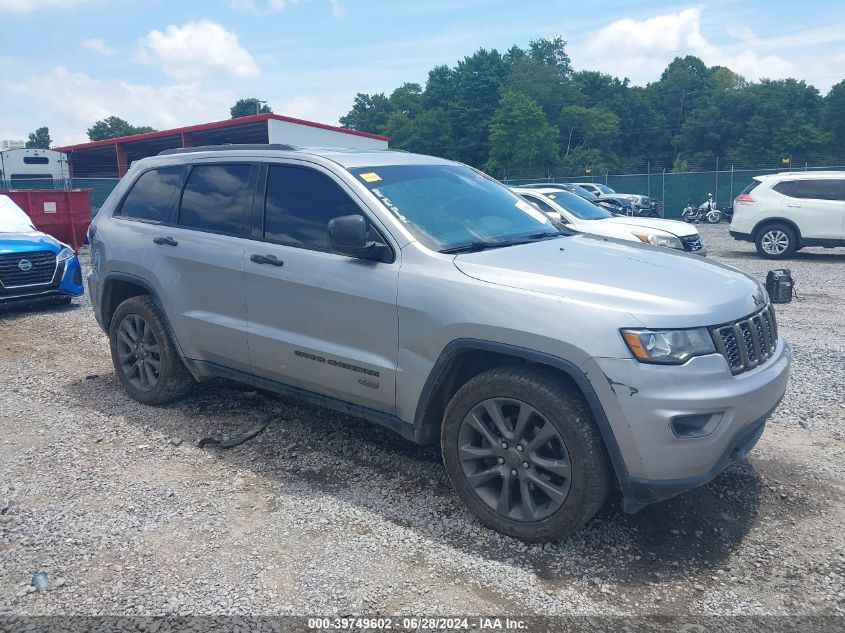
[42, 271]
[749, 342]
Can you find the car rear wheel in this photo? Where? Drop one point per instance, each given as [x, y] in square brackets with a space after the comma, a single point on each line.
[524, 454]
[144, 357]
[776, 241]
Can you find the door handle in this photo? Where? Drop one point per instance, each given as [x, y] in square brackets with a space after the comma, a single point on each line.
[794, 206]
[169, 241]
[266, 259]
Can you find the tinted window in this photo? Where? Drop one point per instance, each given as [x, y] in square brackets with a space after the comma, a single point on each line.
[784, 187]
[818, 189]
[755, 183]
[36, 160]
[152, 195]
[299, 204]
[217, 198]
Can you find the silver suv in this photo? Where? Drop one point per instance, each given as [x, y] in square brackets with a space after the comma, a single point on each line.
[422, 295]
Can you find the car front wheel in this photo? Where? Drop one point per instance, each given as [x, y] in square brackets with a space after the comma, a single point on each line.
[144, 357]
[524, 454]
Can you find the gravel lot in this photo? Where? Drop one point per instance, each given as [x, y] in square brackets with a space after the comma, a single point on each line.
[324, 514]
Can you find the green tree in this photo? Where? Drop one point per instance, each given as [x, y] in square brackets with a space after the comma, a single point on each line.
[587, 128]
[249, 106]
[834, 113]
[521, 137]
[369, 113]
[39, 139]
[113, 127]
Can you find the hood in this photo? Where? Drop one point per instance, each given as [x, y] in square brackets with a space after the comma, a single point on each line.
[28, 242]
[659, 287]
[680, 229]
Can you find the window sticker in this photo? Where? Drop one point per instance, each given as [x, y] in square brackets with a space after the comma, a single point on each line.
[370, 176]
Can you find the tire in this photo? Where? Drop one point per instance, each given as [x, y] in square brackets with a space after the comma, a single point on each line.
[714, 217]
[687, 216]
[776, 241]
[153, 373]
[574, 445]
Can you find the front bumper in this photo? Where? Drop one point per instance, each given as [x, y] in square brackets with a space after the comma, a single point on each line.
[644, 402]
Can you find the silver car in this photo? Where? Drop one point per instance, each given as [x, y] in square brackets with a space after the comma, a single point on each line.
[422, 295]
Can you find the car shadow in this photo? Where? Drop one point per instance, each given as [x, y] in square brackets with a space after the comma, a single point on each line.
[815, 257]
[20, 310]
[315, 451]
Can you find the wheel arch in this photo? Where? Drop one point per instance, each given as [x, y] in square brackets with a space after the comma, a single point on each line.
[462, 359]
[762, 224]
[118, 287]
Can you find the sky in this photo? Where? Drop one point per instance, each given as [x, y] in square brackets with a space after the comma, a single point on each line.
[166, 63]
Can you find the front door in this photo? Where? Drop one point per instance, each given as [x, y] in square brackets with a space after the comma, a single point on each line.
[318, 320]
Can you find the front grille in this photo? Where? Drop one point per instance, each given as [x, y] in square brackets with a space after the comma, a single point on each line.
[43, 267]
[747, 343]
[692, 243]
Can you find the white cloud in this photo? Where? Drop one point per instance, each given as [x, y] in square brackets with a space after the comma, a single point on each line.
[641, 49]
[97, 45]
[198, 49]
[69, 102]
[25, 6]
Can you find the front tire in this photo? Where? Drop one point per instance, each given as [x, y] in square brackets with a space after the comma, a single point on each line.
[523, 452]
[144, 357]
[776, 241]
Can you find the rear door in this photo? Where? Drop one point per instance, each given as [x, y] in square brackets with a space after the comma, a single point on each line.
[816, 205]
[320, 321]
[198, 260]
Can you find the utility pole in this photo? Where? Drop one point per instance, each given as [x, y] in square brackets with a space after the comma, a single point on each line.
[258, 104]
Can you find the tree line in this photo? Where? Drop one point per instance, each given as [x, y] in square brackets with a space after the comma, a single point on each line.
[528, 112]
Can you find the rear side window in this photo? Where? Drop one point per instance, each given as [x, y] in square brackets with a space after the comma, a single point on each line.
[217, 198]
[784, 187]
[151, 197]
[753, 185]
[299, 204]
[818, 189]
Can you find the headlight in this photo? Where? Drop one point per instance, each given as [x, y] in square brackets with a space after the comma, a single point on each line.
[65, 254]
[668, 347]
[669, 241]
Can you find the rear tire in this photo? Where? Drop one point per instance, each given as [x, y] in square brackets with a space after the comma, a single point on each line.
[144, 357]
[537, 470]
[776, 241]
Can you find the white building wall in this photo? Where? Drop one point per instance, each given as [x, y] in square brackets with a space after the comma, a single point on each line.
[309, 136]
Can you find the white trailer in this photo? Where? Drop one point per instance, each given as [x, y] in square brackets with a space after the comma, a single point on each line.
[20, 166]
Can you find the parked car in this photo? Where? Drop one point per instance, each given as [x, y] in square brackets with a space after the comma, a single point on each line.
[422, 295]
[643, 205]
[579, 215]
[617, 205]
[34, 266]
[784, 212]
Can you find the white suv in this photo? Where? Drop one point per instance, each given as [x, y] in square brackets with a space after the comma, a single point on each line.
[783, 212]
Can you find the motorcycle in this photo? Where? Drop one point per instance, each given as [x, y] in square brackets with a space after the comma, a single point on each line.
[706, 211]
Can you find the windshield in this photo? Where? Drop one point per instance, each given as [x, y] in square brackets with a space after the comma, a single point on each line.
[605, 188]
[451, 206]
[579, 207]
[12, 217]
[587, 195]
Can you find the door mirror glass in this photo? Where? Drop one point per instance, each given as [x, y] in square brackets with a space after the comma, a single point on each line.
[349, 235]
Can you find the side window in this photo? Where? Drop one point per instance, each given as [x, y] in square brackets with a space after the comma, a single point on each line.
[299, 203]
[544, 206]
[827, 189]
[784, 187]
[151, 197]
[217, 198]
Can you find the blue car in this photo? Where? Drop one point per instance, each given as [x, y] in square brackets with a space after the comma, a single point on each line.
[34, 266]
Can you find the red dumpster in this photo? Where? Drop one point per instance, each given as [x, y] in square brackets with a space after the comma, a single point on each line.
[63, 213]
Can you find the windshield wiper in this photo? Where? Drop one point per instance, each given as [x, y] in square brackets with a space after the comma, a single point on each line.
[481, 245]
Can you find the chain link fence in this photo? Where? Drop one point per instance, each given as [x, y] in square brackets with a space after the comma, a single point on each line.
[674, 190]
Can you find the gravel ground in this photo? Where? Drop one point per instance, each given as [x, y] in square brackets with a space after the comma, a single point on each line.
[324, 514]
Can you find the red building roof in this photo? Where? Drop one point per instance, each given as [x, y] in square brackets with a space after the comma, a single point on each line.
[253, 118]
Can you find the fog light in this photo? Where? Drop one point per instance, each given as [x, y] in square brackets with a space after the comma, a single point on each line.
[695, 425]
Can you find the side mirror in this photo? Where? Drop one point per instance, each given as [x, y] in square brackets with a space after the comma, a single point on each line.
[348, 236]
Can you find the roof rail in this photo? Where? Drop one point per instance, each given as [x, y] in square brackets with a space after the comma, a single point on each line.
[228, 147]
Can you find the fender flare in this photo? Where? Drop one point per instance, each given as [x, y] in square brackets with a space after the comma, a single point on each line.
[441, 368]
